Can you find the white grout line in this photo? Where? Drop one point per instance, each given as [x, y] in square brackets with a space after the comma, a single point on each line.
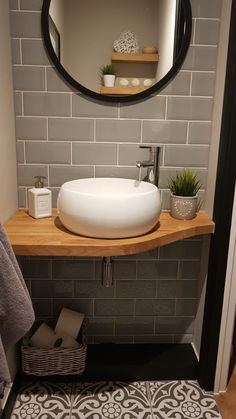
[187, 138]
[194, 30]
[45, 79]
[22, 103]
[21, 57]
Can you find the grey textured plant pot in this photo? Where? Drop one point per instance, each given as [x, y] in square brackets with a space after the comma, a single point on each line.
[183, 207]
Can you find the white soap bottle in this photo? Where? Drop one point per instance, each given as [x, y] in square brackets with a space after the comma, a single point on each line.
[39, 199]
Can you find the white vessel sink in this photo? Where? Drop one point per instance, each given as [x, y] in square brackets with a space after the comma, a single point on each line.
[109, 207]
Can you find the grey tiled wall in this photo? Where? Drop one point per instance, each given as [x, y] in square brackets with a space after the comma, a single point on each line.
[64, 135]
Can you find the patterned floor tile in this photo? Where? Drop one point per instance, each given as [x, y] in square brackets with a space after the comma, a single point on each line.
[111, 400]
[43, 401]
[181, 400]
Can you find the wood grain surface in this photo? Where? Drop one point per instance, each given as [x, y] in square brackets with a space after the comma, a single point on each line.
[48, 237]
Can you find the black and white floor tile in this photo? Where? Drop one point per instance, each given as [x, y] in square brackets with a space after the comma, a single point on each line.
[43, 400]
[115, 400]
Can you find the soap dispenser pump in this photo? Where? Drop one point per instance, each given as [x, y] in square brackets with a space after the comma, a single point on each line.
[39, 199]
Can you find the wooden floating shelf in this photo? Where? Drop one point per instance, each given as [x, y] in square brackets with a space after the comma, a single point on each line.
[134, 58]
[119, 90]
[48, 237]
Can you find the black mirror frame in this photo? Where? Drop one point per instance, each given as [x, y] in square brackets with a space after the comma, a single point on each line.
[119, 99]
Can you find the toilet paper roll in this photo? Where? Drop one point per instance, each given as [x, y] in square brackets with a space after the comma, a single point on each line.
[67, 341]
[69, 322]
[45, 338]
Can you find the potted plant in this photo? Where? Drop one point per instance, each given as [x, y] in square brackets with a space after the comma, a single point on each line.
[108, 75]
[184, 187]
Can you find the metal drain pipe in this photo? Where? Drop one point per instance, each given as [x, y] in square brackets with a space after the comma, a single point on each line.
[107, 271]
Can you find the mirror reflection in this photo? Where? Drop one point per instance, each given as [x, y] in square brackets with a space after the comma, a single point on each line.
[136, 40]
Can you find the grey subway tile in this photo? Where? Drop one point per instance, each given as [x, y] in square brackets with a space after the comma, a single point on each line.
[135, 289]
[28, 128]
[92, 289]
[166, 174]
[189, 269]
[13, 4]
[61, 174]
[174, 325]
[113, 339]
[115, 307]
[22, 197]
[153, 108]
[207, 32]
[124, 269]
[70, 129]
[118, 130]
[55, 192]
[33, 52]
[94, 153]
[134, 326]
[42, 307]
[154, 339]
[15, 51]
[129, 154]
[25, 25]
[206, 9]
[36, 268]
[199, 132]
[148, 255]
[200, 58]
[20, 154]
[48, 152]
[115, 171]
[165, 200]
[28, 78]
[181, 250]
[82, 106]
[158, 269]
[193, 156]
[80, 305]
[176, 289]
[31, 5]
[165, 132]
[180, 85]
[203, 84]
[72, 269]
[51, 289]
[46, 104]
[192, 108]
[55, 82]
[185, 307]
[155, 307]
[26, 174]
[98, 326]
[18, 103]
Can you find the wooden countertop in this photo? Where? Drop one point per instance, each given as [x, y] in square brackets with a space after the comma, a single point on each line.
[48, 237]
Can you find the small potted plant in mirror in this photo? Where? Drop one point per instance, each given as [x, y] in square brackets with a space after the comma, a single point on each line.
[184, 187]
[108, 75]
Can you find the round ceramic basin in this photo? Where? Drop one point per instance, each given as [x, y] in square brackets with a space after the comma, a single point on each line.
[109, 207]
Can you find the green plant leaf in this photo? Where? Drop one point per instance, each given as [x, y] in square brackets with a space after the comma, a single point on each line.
[185, 183]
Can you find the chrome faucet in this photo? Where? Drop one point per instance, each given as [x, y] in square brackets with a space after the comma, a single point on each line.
[152, 164]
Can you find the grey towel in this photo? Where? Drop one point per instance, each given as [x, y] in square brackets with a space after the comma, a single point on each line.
[16, 311]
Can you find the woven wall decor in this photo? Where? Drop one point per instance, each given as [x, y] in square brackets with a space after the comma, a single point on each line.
[127, 42]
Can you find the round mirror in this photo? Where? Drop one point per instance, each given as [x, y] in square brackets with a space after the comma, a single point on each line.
[117, 51]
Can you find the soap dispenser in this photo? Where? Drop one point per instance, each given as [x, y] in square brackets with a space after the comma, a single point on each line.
[39, 199]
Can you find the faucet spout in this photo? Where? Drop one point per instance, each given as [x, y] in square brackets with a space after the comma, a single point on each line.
[146, 163]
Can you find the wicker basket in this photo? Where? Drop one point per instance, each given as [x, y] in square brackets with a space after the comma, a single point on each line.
[61, 361]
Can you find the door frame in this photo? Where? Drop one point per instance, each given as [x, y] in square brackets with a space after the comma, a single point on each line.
[222, 216]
